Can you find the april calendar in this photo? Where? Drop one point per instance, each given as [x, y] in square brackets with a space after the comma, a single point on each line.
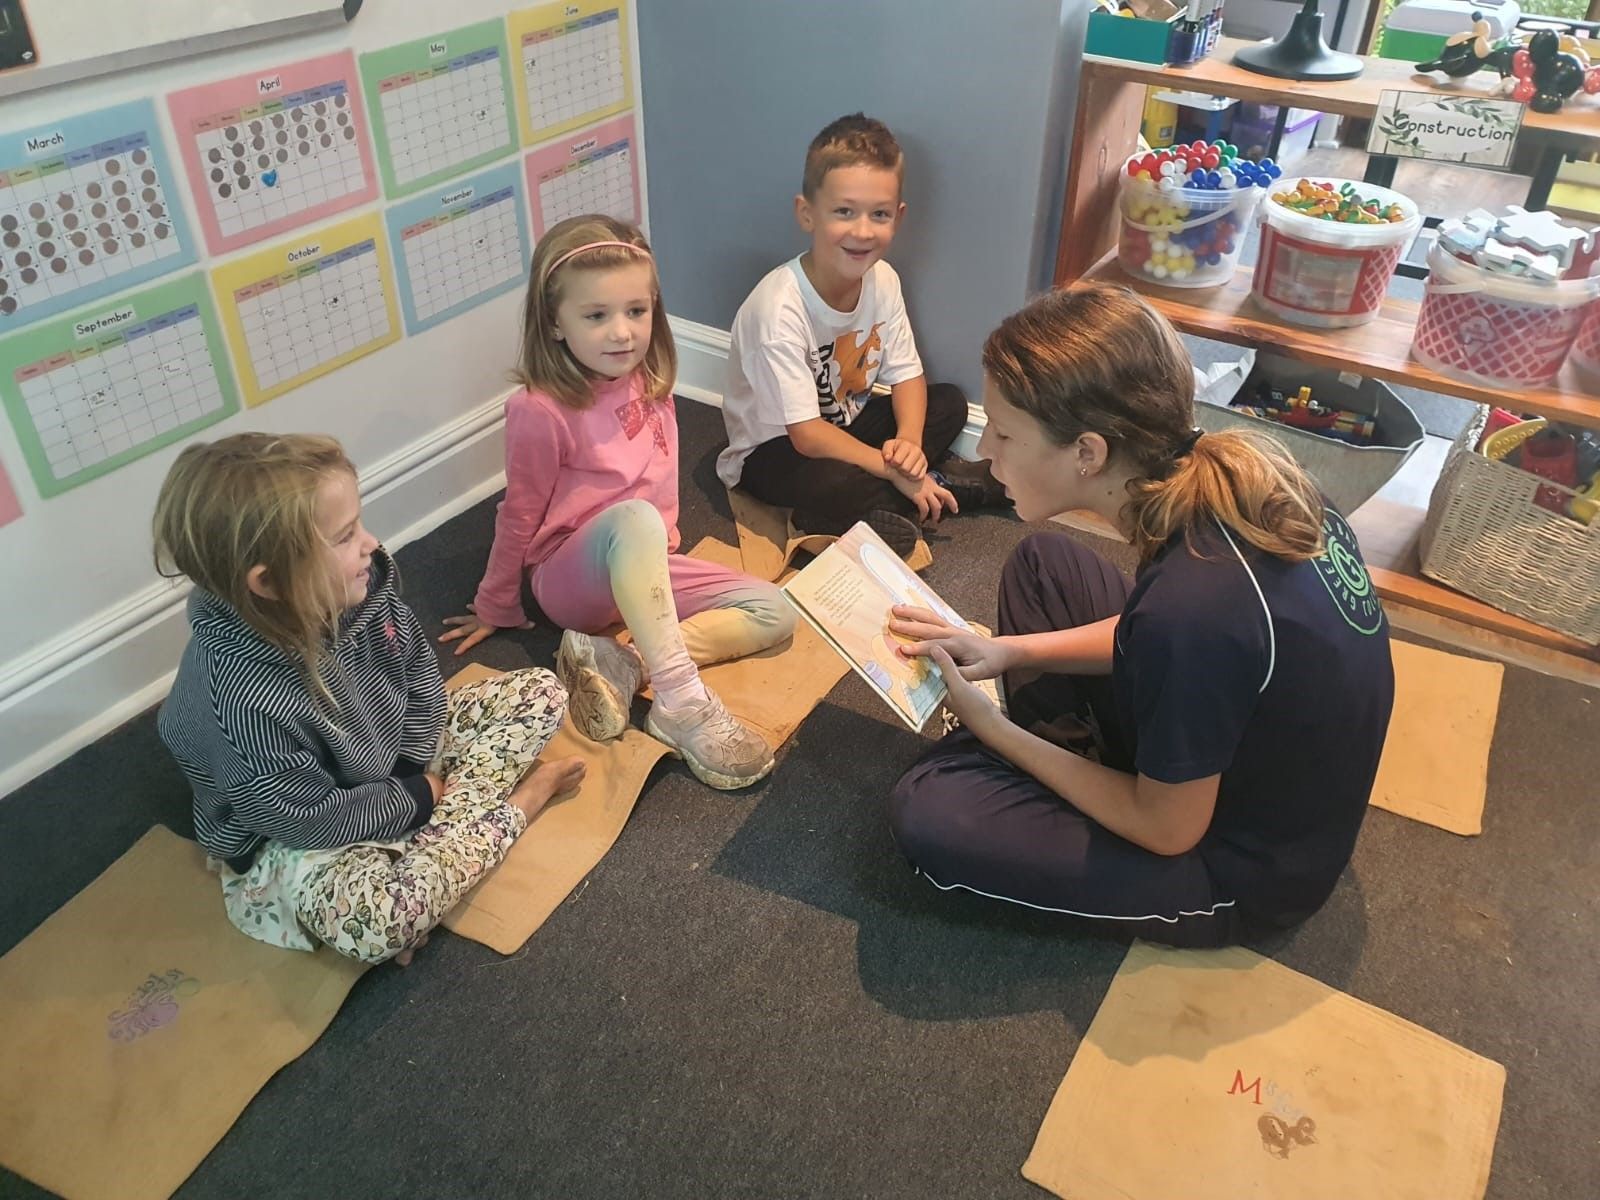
[572, 65]
[440, 105]
[274, 149]
[307, 306]
[87, 208]
[89, 392]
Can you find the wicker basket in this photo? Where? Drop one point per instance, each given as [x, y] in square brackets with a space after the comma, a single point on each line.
[1485, 536]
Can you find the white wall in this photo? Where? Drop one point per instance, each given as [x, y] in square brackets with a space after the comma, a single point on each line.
[89, 635]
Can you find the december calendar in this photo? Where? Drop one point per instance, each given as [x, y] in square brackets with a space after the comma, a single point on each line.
[272, 150]
[572, 65]
[596, 171]
[307, 306]
[440, 105]
[90, 392]
[459, 246]
[86, 209]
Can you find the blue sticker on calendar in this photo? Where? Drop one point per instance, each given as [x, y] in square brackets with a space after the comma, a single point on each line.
[460, 245]
[88, 207]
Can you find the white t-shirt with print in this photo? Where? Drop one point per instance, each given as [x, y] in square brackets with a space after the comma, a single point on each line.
[793, 358]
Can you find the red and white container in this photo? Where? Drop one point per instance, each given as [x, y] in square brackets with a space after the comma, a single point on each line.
[1328, 274]
[1506, 331]
[1586, 349]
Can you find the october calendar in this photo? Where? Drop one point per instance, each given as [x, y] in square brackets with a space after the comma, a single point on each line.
[272, 150]
[87, 208]
[90, 392]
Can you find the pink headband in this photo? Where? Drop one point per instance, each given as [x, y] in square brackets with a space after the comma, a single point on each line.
[551, 269]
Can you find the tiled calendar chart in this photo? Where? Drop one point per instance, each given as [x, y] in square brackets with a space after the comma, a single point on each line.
[572, 65]
[307, 306]
[440, 105]
[459, 246]
[596, 171]
[87, 208]
[274, 150]
[89, 392]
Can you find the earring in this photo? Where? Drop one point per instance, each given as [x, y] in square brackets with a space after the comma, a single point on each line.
[1083, 470]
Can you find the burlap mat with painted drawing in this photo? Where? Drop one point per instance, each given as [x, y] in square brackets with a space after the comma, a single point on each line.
[772, 692]
[137, 1023]
[1215, 1074]
[1435, 765]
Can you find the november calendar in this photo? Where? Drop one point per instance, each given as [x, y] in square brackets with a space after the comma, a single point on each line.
[307, 306]
[272, 150]
[440, 105]
[596, 171]
[89, 392]
[87, 208]
[572, 65]
[459, 246]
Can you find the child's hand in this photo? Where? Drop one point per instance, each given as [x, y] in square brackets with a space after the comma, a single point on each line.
[905, 457]
[932, 501]
[470, 630]
[975, 656]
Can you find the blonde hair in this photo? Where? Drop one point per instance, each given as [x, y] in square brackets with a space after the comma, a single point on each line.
[853, 141]
[546, 364]
[1098, 359]
[251, 500]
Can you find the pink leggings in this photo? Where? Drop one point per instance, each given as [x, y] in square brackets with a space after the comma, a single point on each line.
[616, 568]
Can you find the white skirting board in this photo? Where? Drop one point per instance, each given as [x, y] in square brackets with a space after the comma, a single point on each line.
[703, 367]
[85, 683]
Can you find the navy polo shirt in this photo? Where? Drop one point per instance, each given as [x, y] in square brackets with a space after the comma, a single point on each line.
[1274, 675]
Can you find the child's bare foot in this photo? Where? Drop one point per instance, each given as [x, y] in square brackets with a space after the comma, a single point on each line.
[546, 781]
[403, 959]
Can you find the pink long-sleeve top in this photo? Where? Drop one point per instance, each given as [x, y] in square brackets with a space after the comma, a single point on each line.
[564, 466]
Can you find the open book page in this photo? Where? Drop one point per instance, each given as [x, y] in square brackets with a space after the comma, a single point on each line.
[846, 592]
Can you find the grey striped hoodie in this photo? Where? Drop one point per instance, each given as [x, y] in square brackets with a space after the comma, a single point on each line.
[267, 759]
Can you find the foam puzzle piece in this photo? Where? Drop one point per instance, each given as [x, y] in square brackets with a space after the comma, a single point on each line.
[1543, 233]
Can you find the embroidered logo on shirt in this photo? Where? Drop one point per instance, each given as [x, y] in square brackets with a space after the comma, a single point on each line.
[845, 371]
[636, 414]
[1340, 569]
[390, 634]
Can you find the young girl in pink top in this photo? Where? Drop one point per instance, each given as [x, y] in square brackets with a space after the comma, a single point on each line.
[591, 509]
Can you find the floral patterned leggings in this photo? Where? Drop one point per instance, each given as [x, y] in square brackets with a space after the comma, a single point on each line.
[371, 902]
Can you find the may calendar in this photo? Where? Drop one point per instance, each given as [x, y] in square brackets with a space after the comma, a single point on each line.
[596, 171]
[572, 65]
[307, 306]
[460, 245]
[92, 391]
[87, 208]
[440, 105]
[273, 150]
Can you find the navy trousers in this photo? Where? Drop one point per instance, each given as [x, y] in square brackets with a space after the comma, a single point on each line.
[966, 818]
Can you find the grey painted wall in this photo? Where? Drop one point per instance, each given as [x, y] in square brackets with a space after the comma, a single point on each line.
[980, 94]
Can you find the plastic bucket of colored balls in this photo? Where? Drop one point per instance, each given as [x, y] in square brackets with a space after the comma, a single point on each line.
[1329, 249]
[1184, 229]
[1502, 330]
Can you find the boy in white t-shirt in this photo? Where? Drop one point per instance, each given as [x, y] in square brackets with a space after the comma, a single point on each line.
[805, 430]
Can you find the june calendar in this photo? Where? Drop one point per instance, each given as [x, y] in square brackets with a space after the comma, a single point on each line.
[89, 392]
[440, 105]
[275, 149]
[307, 306]
[87, 208]
[572, 65]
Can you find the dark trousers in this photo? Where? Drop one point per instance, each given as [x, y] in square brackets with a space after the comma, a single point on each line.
[968, 819]
[829, 496]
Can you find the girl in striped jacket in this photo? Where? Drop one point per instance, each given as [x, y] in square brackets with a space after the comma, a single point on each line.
[341, 794]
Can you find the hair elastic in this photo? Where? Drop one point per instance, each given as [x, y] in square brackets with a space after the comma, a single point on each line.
[551, 269]
[1185, 446]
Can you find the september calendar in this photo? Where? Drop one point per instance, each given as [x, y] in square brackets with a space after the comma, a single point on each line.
[307, 306]
[572, 65]
[272, 150]
[596, 171]
[440, 105]
[459, 246]
[90, 392]
[87, 208]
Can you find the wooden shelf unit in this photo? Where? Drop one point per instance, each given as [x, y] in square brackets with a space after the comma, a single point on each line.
[1110, 106]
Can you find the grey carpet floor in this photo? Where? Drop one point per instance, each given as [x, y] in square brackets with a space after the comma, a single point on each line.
[752, 996]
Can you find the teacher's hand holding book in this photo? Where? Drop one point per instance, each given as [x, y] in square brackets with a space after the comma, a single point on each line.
[973, 655]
